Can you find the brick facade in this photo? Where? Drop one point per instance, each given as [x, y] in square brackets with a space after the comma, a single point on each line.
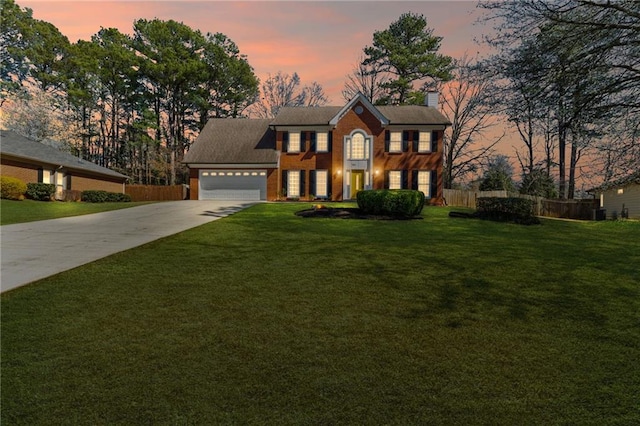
[383, 161]
[78, 181]
[365, 128]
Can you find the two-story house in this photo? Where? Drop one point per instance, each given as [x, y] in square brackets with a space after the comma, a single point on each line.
[320, 153]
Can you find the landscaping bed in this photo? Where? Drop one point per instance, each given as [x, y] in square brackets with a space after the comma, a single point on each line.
[347, 213]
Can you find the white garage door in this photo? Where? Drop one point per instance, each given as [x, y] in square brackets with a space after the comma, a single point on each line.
[233, 185]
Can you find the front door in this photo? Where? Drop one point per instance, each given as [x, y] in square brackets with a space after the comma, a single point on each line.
[357, 182]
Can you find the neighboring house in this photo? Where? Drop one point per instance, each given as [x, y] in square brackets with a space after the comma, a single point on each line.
[33, 162]
[320, 153]
[620, 198]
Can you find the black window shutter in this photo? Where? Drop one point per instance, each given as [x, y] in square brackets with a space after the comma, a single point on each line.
[330, 137]
[434, 184]
[285, 141]
[285, 174]
[405, 179]
[303, 141]
[313, 142]
[405, 141]
[416, 137]
[40, 175]
[302, 186]
[386, 179]
[68, 185]
[414, 179]
[312, 182]
[387, 138]
[434, 141]
[328, 184]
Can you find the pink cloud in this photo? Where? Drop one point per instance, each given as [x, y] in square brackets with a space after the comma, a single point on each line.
[321, 41]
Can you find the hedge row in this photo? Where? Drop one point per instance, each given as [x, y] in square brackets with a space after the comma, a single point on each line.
[12, 188]
[391, 202]
[93, 196]
[41, 191]
[518, 210]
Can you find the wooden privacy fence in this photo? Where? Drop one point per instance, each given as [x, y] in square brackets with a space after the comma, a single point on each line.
[566, 209]
[156, 192]
[570, 209]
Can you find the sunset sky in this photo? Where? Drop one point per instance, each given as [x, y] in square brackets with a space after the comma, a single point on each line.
[321, 41]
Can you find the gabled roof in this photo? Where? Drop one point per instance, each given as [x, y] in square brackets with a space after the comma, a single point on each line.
[413, 114]
[234, 141]
[387, 114]
[359, 97]
[305, 116]
[15, 145]
[632, 179]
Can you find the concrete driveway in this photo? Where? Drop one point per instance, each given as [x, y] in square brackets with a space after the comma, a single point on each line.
[36, 250]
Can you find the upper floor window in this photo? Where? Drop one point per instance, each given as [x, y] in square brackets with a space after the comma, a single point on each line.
[322, 142]
[395, 142]
[294, 142]
[424, 142]
[358, 147]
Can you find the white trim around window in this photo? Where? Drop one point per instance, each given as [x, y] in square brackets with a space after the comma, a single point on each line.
[424, 182]
[322, 142]
[424, 142]
[322, 178]
[395, 179]
[293, 183]
[395, 142]
[294, 142]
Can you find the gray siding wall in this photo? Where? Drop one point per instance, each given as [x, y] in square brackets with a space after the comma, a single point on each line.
[629, 198]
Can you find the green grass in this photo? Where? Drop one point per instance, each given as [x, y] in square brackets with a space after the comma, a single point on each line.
[29, 210]
[267, 318]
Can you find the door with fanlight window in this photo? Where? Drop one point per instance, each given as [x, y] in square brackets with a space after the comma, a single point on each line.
[357, 182]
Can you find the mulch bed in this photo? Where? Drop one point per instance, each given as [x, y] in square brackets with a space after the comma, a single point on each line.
[347, 213]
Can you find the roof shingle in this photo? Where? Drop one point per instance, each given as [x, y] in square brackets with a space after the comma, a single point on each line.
[11, 143]
[234, 141]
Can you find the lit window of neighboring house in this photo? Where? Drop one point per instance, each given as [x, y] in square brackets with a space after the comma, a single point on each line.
[395, 179]
[46, 176]
[321, 183]
[424, 183]
[293, 183]
[424, 142]
[294, 142]
[322, 142]
[395, 141]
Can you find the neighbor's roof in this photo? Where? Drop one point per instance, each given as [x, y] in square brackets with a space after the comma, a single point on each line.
[633, 178]
[234, 141]
[13, 144]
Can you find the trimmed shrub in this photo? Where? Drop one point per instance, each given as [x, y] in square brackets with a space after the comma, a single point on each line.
[391, 202]
[12, 188]
[512, 209]
[95, 196]
[40, 191]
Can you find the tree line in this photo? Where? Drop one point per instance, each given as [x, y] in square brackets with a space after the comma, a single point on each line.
[130, 103]
[563, 74]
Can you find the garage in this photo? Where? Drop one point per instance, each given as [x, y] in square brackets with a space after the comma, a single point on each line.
[247, 185]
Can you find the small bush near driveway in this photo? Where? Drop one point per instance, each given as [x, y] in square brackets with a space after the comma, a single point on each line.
[12, 188]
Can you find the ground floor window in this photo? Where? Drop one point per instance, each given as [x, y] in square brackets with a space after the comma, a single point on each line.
[322, 177]
[293, 183]
[424, 182]
[395, 179]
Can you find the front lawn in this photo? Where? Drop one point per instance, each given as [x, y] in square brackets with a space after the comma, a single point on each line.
[268, 318]
[29, 210]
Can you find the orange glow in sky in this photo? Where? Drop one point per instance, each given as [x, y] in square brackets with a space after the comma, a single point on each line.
[321, 41]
